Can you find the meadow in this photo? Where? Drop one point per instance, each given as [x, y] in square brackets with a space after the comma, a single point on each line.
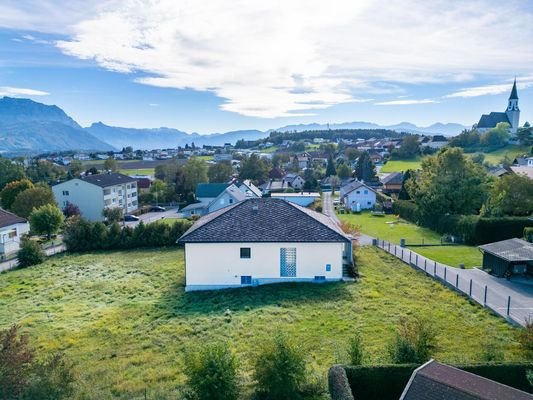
[124, 319]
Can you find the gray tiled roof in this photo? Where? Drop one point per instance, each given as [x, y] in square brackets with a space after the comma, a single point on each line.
[510, 249]
[345, 190]
[7, 218]
[395, 178]
[104, 180]
[435, 381]
[264, 220]
[492, 119]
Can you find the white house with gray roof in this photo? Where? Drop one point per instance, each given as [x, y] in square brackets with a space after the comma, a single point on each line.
[93, 193]
[357, 196]
[260, 241]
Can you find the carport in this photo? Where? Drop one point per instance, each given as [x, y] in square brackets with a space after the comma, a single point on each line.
[508, 257]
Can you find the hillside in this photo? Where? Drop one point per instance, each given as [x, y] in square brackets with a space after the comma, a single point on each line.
[30, 127]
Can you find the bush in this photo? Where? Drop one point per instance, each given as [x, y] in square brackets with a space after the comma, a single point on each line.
[279, 370]
[528, 234]
[355, 350]
[413, 343]
[406, 209]
[339, 388]
[525, 337]
[30, 253]
[212, 373]
[51, 378]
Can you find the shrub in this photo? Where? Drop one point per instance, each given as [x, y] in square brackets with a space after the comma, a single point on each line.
[15, 363]
[30, 253]
[528, 234]
[51, 378]
[525, 337]
[318, 209]
[406, 209]
[339, 388]
[413, 342]
[279, 370]
[212, 373]
[355, 350]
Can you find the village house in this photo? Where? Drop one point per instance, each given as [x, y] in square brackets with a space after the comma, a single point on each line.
[260, 241]
[392, 183]
[12, 227]
[357, 196]
[294, 181]
[94, 193]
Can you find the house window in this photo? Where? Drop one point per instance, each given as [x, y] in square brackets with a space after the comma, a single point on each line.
[369, 203]
[357, 192]
[107, 192]
[12, 234]
[287, 261]
[65, 193]
[366, 191]
[328, 267]
[230, 201]
[65, 203]
[246, 252]
[246, 280]
[320, 278]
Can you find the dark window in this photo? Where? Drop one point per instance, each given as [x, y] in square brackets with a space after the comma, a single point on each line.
[246, 252]
[246, 280]
[328, 267]
[320, 278]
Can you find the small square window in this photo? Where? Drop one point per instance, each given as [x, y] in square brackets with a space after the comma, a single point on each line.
[246, 280]
[368, 202]
[65, 193]
[320, 278]
[246, 252]
[366, 191]
[328, 267]
[357, 191]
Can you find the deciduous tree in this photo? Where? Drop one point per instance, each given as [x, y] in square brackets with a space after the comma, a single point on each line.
[11, 190]
[110, 164]
[32, 198]
[365, 169]
[10, 171]
[46, 219]
[220, 172]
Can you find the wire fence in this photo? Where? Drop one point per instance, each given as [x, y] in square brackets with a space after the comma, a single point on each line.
[463, 281]
[49, 251]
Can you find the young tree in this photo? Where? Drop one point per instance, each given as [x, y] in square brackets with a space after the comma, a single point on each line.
[113, 214]
[254, 168]
[30, 253]
[220, 172]
[280, 369]
[75, 168]
[334, 182]
[512, 194]
[32, 198]
[355, 349]
[330, 169]
[414, 342]
[159, 190]
[10, 171]
[11, 190]
[46, 219]
[344, 171]
[110, 164]
[448, 183]
[365, 169]
[212, 373]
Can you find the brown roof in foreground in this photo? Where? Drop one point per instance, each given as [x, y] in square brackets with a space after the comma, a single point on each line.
[7, 218]
[435, 381]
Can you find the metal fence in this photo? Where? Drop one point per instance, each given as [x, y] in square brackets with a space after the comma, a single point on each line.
[462, 281]
[49, 251]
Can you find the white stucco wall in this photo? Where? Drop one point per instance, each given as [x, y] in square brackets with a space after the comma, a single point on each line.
[218, 265]
[88, 197]
[366, 200]
[11, 244]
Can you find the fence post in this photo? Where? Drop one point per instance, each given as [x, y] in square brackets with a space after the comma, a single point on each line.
[389, 247]
[402, 253]
[435, 269]
[457, 281]
[470, 289]
[410, 256]
[425, 263]
[394, 250]
[416, 262]
[445, 274]
[485, 296]
[508, 305]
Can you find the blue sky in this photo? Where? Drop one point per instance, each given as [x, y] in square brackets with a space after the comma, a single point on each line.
[218, 66]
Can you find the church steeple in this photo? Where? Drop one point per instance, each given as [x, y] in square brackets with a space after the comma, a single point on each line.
[513, 112]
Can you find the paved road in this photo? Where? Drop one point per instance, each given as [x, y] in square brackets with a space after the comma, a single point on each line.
[329, 210]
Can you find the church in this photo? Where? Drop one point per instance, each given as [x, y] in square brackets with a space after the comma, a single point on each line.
[510, 116]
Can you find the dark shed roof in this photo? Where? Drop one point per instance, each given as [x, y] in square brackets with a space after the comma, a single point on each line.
[104, 180]
[492, 119]
[7, 218]
[435, 381]
[511, 250]
[264, 220]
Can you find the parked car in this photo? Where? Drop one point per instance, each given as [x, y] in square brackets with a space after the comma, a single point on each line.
[158, 209]
[130, 218]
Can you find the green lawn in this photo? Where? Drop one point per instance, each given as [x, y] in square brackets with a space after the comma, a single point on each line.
[205, 158]
[401, 165]
[140, 171]
[512, 150]
[452, 255]
[124, 319]
[391, 228]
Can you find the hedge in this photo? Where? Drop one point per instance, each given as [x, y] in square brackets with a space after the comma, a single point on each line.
[528, 234]
[81, 235]
[339, 388]
[473, 230]
[388, 381]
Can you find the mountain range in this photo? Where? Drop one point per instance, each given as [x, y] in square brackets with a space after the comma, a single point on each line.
[27, 126]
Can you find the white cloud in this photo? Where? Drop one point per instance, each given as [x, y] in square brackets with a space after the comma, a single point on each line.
[290, 57]
[405, 102]
[153, 104]
[521, 83]
[16, 92]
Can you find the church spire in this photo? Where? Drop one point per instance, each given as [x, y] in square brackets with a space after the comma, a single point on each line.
[514, 93]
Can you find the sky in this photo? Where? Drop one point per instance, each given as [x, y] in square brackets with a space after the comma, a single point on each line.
[215, 66]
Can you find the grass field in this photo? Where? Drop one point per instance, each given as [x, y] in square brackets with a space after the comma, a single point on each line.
[401, 165]
[125, 321]
[452, 255]
[390, 227]
[140, 171]
[510, 150]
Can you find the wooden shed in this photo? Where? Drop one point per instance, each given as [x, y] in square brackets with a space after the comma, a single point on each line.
[508, 257]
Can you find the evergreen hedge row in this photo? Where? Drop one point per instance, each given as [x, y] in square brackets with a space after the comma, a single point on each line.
[388, 381]
[473, 230]
[81, 235]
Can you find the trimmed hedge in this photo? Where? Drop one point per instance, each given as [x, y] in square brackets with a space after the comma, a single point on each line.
[474, 230]
[339, 388]
[388, 381]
